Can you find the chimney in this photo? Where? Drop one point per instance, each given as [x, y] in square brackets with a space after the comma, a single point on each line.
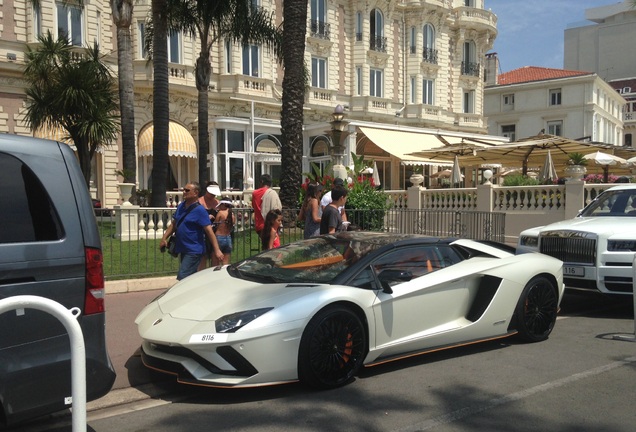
[491, 69]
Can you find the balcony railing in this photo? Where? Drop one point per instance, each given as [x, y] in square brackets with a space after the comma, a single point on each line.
[378, 43]
[320, 29]
[430, 55]
[470, 68]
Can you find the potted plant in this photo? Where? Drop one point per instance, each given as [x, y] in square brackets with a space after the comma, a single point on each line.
[576, 166]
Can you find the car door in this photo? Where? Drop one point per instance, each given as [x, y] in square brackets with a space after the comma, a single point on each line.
[432, 303]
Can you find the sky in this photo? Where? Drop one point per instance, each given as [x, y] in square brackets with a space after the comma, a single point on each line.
[530, 32]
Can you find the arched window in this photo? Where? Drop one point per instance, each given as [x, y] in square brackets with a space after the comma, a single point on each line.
[319, 154]
[378, 41]
[429, 52]
[320, 147]
[266, 144]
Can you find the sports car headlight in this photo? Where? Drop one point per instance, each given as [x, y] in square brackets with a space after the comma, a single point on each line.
[530, 241]
[621, 245]
[232, 322]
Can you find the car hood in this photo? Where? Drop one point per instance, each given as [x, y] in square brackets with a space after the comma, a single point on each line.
[607, 225]
[209, 294]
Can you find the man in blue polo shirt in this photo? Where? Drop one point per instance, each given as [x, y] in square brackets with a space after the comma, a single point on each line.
[191, 223]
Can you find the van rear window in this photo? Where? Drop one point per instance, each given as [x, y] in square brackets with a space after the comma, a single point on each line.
[28, 214]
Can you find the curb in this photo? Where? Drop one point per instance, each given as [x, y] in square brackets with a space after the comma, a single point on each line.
[134, 285]
[126, 395]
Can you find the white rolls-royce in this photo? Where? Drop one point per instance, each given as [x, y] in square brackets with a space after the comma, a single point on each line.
[597, 247]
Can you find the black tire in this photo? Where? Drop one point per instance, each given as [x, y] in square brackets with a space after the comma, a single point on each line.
[332, 348]
[537, 310]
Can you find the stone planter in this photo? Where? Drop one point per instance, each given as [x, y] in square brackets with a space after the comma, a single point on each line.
[575, 172]
[416, 179]
[125, 190]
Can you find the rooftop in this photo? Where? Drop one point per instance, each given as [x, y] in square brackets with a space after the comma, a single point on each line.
[535, 73]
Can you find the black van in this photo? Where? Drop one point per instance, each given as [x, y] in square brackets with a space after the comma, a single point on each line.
[49, 247]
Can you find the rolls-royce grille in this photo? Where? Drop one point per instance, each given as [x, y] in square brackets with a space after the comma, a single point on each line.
[571, 248]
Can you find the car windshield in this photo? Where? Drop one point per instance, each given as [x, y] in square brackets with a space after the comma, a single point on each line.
[316, 260]
[612, 203]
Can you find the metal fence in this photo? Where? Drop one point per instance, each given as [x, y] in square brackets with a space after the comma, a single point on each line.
[132, 251]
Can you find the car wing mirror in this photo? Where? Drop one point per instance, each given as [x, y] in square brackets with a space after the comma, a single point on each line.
[391, 277]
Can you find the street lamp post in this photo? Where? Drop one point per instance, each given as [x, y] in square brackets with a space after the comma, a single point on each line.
[338, 125]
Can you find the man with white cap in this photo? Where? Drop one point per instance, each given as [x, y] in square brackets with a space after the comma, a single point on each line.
[209, 202]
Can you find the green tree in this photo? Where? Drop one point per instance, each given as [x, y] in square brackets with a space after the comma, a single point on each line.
[210, 22]
[74, 90]
[160, 103]
[122, 11]
[293, 51]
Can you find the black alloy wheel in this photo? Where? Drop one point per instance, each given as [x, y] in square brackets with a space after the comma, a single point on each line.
[332, 348]
[537, 310]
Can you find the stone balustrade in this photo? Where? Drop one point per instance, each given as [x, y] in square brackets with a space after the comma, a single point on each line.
[524, 206]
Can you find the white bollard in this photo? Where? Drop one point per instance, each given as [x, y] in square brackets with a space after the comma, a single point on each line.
[632, 337]
[68, 317]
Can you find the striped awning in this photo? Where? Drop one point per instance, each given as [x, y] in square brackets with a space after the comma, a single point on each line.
[55, 134]
[59, 134]
[180, 142]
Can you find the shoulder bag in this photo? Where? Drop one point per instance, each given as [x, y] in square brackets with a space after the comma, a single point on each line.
[172, 241]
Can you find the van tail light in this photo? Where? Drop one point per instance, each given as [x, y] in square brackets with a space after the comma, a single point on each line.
[94, 297]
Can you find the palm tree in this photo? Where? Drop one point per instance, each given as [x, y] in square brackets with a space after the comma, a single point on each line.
[160, 103]
[211, 21]
[122, 11]
[78, 95]
[294, 31]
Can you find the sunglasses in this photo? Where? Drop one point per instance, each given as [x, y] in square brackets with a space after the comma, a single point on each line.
[187, 190]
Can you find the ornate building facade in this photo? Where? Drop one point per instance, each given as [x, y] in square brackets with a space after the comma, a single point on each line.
[413, 66]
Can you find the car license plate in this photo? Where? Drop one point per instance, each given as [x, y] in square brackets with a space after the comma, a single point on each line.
[209, 338]
[573, 271]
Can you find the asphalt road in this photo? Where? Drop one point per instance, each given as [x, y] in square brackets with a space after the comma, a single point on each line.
[580, 379]
[123, 339]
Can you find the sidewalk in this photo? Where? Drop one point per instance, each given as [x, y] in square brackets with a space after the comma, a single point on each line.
[133, 285]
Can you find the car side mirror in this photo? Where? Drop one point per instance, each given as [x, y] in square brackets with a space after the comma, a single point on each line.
[391, 277]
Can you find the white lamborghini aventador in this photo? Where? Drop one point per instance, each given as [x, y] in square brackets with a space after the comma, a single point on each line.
[320, 309]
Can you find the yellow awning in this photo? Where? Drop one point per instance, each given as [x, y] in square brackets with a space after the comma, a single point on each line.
[59, 134]
[403, 144]
[400, 143]
[55, 134]
[180, 142]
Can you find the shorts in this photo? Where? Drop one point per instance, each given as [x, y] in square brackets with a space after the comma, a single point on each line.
[225, 243]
